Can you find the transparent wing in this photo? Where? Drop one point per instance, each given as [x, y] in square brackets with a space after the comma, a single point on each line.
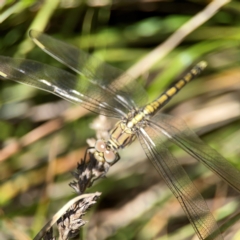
[178, 132]
[127, 91]
[179, 183]
[59, 82]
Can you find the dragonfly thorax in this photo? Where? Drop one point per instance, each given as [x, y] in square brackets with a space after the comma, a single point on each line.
[122, 135]
[124, 132]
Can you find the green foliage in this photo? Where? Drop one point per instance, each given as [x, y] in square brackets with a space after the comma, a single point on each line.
[121, 32]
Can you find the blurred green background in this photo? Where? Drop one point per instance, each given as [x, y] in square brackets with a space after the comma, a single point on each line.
[38, 149]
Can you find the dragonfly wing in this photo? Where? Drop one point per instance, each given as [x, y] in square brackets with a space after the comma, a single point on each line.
[59, 82]
[126, 91]
[179, 183]
[178, 132]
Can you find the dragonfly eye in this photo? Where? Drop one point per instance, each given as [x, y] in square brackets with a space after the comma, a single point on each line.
[100, 145]
[109, 156]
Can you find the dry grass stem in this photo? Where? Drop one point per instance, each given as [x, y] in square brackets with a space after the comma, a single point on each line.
[176, 38]
[69, 217]
[87, 172]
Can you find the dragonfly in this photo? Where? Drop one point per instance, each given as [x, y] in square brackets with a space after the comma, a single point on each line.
[106, 90]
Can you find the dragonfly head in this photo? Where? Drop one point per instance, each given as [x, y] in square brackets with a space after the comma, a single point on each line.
[104, 153]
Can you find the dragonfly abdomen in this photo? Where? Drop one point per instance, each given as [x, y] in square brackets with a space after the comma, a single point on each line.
[163, 99]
